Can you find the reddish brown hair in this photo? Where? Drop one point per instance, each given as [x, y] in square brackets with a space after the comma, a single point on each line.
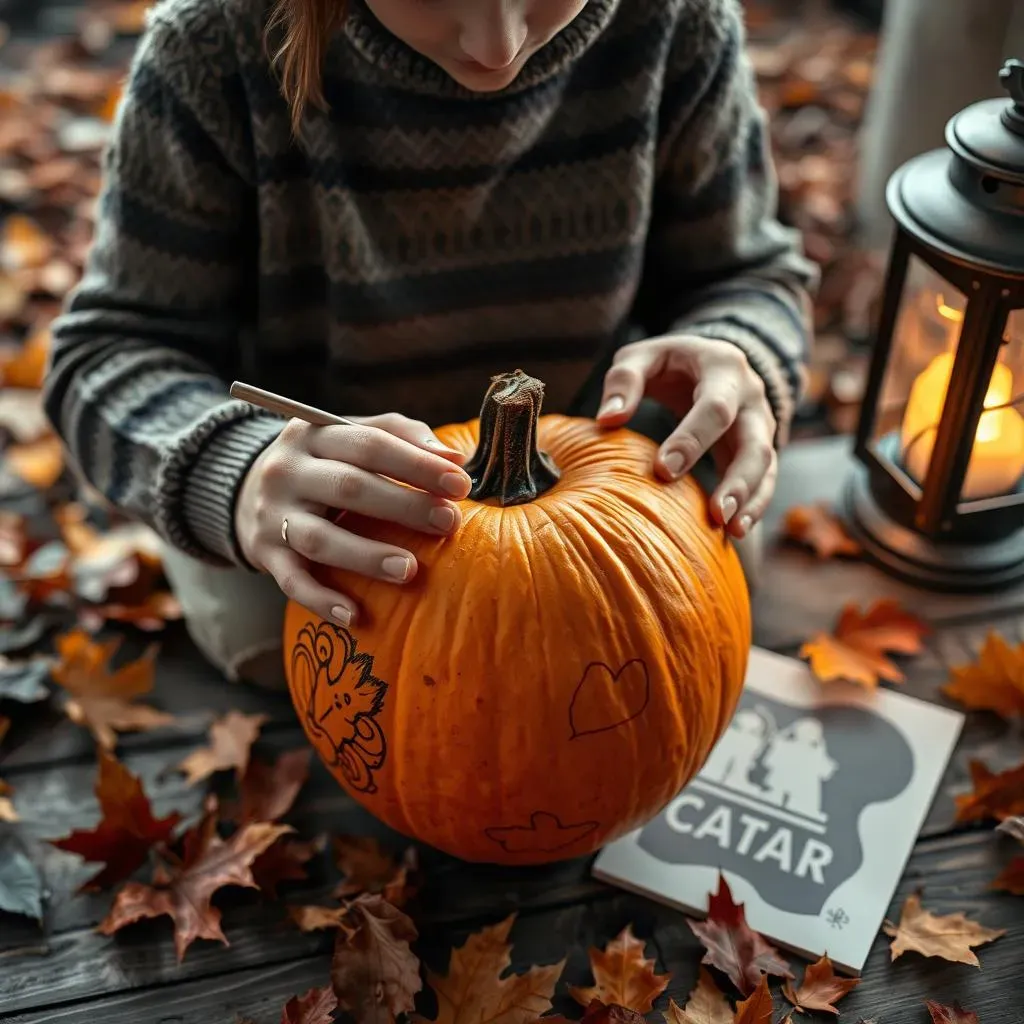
[303, 28]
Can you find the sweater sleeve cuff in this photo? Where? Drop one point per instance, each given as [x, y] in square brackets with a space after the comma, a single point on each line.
[773, 344]
[213, 481]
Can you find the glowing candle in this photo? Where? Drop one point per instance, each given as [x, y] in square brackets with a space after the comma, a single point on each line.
[997, 459]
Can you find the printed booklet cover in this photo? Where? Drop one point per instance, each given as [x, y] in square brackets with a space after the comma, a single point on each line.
[810, 804]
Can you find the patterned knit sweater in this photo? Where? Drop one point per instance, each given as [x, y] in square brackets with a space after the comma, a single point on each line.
[414, 239]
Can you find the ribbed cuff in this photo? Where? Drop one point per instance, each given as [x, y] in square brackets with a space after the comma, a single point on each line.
[214, 479]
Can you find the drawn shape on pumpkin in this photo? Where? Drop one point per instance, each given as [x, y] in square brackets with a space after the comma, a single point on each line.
[604, 700]
[544, 834]
[344, 699]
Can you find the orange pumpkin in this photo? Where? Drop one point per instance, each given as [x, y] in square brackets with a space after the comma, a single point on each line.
[559, 667]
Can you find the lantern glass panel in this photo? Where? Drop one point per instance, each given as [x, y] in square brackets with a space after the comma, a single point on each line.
[997, 460]
[926, 333]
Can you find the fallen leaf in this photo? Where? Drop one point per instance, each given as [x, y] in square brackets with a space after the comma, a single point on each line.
[623, 975]
[1011, 878]
[317, 1006]
[598, 1013]
[374, 973]
[153, 614]
[757, 1009]
[995, 795]
[994, 682]
[820, 988]
[857, 649]
[368, 867]
[183, 892]
[269, 790]
[127, 829]
[314, 918]
[818, 527]
[474, 990]
[948, 936]
[39, 463]
[21, 886]
[954, 1014]
[285, 861]
[23, 243]
[26, 366]
[100, 700]
[231, 738]
[732, 946]
[25, 681]
[706, 1005]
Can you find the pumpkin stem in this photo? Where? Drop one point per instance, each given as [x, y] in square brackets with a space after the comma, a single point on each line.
[507, 464]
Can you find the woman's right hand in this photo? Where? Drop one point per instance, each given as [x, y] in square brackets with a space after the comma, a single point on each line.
[307, 471]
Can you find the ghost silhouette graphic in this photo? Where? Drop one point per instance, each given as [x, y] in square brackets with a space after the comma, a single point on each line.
[780, 799]
[344, 699]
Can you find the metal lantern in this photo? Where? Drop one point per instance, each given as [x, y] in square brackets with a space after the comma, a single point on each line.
[937, 498]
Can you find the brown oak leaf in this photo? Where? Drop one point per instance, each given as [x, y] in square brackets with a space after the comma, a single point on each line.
[317, 1006]
[183, 892]
[732, 946]
[995, 795]
[949, 936]
[285, 861]
[758, 1007]
[820, 988]
[707, 1004]
[994, 682]
[954, 1014]
[475, 992]
[623, 975]
[858, 648]
[101, 700]
[127, 830]
[269, 790]
[368, 867]
[819, 528]
[231, 739]
[374, 972]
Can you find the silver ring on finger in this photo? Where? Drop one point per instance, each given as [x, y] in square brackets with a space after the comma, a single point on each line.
[284, 531]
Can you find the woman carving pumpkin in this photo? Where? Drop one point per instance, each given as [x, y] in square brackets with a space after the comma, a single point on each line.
[373, 206]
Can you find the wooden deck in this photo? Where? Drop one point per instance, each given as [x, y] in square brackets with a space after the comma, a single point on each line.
[65, 972]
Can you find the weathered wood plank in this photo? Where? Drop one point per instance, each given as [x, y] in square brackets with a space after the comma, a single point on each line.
[955, 873]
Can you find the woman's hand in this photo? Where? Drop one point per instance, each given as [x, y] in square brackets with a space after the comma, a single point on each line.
[309, 470]
[723, 406]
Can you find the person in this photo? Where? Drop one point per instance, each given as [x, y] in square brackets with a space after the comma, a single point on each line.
[373, 206]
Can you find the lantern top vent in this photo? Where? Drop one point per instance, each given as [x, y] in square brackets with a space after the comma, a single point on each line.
[967, 201]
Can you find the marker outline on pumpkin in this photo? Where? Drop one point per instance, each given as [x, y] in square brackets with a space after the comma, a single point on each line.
[593, 671]
[341, 678]
[546, 828]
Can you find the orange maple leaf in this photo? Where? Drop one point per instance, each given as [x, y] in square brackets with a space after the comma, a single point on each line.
[994, 682]
[858, 647]
[100, 699]
[476, 987]
[995, 795]
[623, 975]
[758, 1007]
[183, 893]
[820, 988]
[127, 830]
[818, 527]
[954, 1014]
[949, 936]
[707, 1004]
[231, 739]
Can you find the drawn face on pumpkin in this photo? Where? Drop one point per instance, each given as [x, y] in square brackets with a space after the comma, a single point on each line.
[482, 44]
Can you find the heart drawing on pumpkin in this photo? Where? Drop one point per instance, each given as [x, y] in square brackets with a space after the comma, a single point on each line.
[544, 834]
[605, 699]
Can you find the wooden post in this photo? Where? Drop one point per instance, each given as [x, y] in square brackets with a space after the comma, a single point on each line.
[936, 57]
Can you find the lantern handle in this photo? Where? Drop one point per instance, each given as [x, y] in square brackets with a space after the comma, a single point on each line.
[1012, 76]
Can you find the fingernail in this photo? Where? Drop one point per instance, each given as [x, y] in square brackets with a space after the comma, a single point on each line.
[442, 518]
[341, 615]
[729, 506]
[746, 522]
[437, 444]
[614, 404]
[455, 484]
[674, 463]
[397, 567]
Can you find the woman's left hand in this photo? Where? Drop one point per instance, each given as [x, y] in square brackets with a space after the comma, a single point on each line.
[724, 409]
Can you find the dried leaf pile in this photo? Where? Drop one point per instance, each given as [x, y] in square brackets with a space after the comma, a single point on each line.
[70, 569]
